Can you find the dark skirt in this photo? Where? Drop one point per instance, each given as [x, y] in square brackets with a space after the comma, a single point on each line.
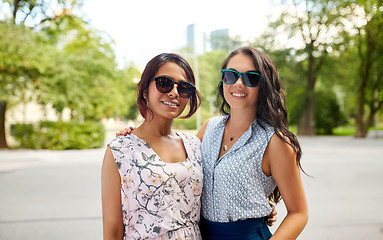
[249, 229]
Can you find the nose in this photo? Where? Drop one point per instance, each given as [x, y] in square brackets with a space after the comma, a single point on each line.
[174, 92]
[239, 81]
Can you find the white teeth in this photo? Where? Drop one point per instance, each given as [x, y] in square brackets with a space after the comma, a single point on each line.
[239, 95]
[170, 104]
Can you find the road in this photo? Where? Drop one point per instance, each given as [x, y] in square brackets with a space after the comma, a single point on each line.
[48, 194]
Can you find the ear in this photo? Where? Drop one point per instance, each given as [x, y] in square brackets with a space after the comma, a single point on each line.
[145, 94]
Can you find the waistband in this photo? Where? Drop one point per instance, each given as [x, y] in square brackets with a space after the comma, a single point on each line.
[240, 227]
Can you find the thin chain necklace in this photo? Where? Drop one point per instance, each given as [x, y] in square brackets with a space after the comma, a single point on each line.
[231, 139]
[225, 146]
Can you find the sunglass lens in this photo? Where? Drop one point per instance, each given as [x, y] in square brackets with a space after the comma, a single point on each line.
[185, 89]
[164, 84]
[229, 77]
[251, 79]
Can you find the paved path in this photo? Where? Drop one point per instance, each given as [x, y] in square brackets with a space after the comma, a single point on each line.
[56, 194]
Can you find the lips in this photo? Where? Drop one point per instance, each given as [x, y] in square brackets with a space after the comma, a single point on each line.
[239, 95]
[171, 103]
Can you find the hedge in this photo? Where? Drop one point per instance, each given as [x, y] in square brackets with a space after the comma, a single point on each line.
[59, 135]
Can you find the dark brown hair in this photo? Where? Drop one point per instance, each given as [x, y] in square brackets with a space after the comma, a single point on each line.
[271, 104]
[150, 71]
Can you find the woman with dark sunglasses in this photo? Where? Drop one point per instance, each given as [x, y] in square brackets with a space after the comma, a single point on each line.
[152, 179]
[249, 156]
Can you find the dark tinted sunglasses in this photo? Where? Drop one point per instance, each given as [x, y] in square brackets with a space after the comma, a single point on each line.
[165, 84]
[250, 79]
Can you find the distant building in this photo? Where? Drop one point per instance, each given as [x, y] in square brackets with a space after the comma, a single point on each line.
[220, 39]
[200, 42]
[196, 39]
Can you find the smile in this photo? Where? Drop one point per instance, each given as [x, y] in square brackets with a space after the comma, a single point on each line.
[239, 94]
[170, 104]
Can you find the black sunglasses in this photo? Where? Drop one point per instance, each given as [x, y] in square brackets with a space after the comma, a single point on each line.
[250, 79]
[165, 84]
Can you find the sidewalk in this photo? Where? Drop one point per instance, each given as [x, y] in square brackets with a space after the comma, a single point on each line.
[56, 194]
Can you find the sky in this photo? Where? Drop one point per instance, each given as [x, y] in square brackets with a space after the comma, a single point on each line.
[142, 29]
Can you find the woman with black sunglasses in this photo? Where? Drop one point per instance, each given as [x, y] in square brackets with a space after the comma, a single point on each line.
[249, 156]
[152, 179]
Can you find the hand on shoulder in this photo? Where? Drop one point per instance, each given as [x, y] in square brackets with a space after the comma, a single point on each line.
[125, 131]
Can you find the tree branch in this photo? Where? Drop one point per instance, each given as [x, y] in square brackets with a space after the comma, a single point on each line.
[31, 7]
[15, 9]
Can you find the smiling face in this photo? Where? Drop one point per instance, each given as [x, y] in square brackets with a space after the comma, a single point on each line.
[167, 105]
[237, 95]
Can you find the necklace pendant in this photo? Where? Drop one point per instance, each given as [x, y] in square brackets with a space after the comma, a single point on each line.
[224, 147]
[231, 139]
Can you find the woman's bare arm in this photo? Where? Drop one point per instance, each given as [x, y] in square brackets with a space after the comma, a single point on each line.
[113, 226]
[281, 160]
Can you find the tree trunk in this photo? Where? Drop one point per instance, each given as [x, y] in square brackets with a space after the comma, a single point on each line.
[360, 131]
[15, 9]
[3, 141]
[365, 66]
[306, 125]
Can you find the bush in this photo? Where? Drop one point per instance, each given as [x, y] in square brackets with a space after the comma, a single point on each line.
[60, 135]
[327, 113]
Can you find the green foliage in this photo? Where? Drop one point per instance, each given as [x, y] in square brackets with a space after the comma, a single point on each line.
[35, 13]
[82, 72]
[191, 123]
[21, 56]
[209, 76]
[60, 135]
[125, 94]
[62, 62]
[327, 112]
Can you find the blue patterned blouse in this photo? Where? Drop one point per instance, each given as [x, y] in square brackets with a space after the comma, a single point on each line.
[235, 188]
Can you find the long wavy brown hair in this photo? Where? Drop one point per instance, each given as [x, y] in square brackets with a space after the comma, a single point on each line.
[271, 104]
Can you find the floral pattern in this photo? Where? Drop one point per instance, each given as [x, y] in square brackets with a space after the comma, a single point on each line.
[160, 200]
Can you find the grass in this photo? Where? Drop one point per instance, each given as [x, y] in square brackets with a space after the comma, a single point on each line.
[339, 131]
[344, 131]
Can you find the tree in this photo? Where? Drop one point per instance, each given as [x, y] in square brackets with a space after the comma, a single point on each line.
[21, 49]
[34, 13]
[125, 93]
[20, 68]
[314, 28]
[369, 43]
[81, 76]
[53, 57]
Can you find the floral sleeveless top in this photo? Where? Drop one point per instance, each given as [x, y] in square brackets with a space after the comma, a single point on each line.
[160, 200]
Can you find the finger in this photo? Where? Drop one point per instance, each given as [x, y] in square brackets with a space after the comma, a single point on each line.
[273, 213]
[272, 206]
[271, 221]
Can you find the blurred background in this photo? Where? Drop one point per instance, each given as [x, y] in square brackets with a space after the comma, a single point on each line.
[69, 68]
[68, 75]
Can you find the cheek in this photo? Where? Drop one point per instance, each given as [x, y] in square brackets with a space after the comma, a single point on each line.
[226, 90]
[255, 94]
[184, 101]
[152, 91]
